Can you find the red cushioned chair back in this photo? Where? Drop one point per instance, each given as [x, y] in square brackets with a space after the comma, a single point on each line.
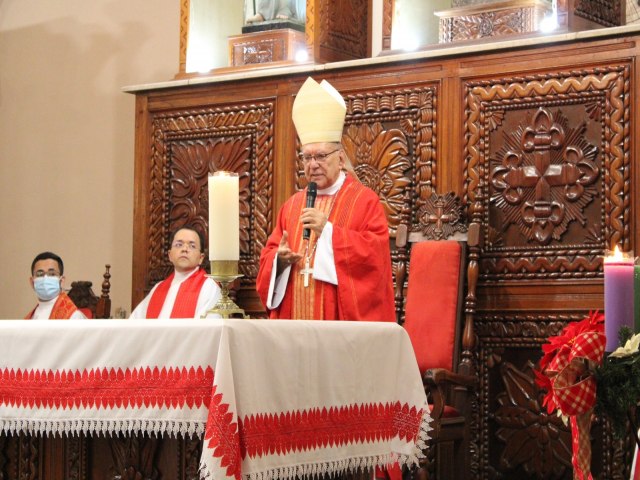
[434, 302]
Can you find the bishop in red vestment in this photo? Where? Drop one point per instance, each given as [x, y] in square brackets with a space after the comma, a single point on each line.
[342, 271]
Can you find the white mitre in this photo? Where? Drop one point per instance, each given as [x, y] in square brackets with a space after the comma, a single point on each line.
[318, 112]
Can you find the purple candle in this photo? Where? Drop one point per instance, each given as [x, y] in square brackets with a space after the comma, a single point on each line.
[618, 296]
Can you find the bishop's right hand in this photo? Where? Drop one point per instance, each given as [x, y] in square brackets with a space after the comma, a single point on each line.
[286, 256]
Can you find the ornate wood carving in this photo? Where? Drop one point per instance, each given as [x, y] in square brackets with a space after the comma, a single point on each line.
[490, 21]
[134, 457]
[184, 35]
[609, 13]
[75, 464]
[192, 451]
[387, 23]
[551, 171]
[440, 217]
[265, 47]
[28, 454]
[343, 29]
[187, 147]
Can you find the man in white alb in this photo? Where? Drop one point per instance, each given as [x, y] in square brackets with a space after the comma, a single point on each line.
[187, 292]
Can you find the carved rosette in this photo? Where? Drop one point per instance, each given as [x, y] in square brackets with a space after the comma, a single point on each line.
[187, 147]
[551, 171]
[440, 217]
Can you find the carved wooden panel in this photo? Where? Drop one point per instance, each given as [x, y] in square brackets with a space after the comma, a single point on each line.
[548, 158]
[188, 146]
[491, 23]
[342, 30]
[265, 47]
[21, 457]
[387, 23]
[609, 13]
[185, 7]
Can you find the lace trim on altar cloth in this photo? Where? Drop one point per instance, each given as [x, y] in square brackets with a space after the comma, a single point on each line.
[348, 465]
[107, 427]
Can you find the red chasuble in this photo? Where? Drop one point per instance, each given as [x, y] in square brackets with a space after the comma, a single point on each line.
[186, 300]
[361, 252]
[62, 309]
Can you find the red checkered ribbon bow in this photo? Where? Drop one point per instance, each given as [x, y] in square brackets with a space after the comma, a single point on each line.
[567, 376]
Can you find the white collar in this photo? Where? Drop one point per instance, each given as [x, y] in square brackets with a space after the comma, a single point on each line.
[333, 189]
[181, 276]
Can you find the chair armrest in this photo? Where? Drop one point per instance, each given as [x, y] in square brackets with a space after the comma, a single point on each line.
[437, 376]
[435, 380]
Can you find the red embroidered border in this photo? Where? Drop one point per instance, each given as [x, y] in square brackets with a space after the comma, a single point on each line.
[107, 388]
[222, 436]
[291, 431]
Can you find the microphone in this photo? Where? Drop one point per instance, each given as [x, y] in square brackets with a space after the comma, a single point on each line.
[312, 191]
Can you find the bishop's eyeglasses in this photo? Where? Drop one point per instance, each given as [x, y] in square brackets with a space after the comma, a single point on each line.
[318, 157]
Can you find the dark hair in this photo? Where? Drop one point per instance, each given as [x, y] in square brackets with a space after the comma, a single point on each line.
[46, 256]
[193, 229]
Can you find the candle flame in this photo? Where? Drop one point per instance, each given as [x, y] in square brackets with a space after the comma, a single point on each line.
[617, 254]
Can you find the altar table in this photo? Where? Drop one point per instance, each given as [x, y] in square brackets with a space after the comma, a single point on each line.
[271, 398]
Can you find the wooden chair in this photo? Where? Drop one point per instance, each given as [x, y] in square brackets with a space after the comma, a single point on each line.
[442, 256]
[87, 301]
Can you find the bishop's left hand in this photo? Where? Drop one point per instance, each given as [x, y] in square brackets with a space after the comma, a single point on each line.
[313, 219]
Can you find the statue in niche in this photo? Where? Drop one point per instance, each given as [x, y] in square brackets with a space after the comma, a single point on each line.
[275, 10]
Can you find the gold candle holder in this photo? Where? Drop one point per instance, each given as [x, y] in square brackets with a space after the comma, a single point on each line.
[224, 272]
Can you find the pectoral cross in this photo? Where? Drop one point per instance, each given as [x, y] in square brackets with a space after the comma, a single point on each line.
[306, 271]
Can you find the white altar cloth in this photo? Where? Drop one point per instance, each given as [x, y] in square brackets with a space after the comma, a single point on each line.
[270, 398]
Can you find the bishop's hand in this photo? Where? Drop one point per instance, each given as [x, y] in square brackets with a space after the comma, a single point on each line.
[286, 256]
[314, 219]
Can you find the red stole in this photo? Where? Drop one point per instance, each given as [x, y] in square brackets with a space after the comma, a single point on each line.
[186, 300]
[62, 309]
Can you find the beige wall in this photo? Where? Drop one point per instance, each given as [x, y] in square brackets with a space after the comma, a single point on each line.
[67, 134]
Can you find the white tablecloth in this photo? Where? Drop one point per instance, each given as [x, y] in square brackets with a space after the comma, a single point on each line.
[271, 398]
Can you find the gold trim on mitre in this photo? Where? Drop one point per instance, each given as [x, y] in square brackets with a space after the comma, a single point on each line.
[318, 112]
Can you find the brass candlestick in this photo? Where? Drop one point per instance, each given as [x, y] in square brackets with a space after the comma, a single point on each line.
[224, 272]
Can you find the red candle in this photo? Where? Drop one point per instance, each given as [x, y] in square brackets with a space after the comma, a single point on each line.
[618, 295]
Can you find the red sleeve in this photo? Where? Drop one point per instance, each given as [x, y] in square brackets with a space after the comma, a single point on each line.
[363, 261]
[287, 220]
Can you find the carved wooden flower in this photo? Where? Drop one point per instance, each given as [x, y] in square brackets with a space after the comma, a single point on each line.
[534, 440]
[380, 160]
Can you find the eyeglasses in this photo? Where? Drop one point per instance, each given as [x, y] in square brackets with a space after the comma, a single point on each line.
[190, 245]
[48, 273]
[318, 157]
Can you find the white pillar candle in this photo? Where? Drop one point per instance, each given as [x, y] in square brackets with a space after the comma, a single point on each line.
[224, 216]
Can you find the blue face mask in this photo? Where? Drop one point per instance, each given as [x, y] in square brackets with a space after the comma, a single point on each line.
[47, 287]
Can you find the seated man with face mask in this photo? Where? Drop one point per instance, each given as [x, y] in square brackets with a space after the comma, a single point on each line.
[46, 280]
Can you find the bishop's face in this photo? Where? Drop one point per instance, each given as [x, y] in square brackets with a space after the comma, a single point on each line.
[322, 163]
